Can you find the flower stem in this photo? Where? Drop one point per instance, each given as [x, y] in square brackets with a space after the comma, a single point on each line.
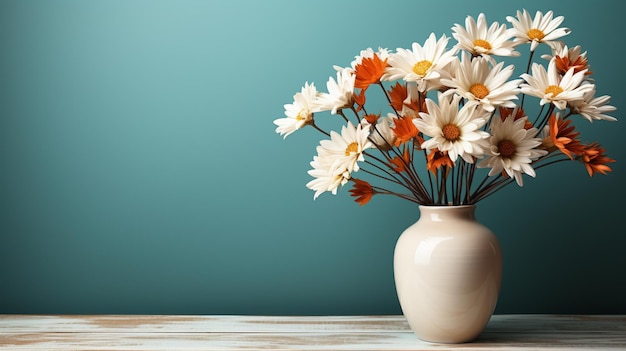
[478, 194]
[546, 118]
[402, 196]
[503, 183]
[320, 129]
[552, 162]
[530, 60]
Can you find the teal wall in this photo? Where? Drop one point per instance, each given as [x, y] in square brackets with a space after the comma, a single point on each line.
[140, 171]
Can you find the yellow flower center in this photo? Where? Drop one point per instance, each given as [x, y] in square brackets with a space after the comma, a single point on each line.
[506, 148]
[299, 117]
[479, 90]
[352, 147]
[535, 34]
[451, 132]
[422, 67]
[482, 43]
[554, 90]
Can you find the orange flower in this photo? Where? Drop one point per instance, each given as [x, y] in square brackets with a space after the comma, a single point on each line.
[595, 160]
[399, 164]
[564, 137]
[563, 64]
[372, 118]
[359, 99]
[369, 71]
[437, 159]
[519, 113]
[416, 107]
[404, 130]
[362, 190]
[397, 95]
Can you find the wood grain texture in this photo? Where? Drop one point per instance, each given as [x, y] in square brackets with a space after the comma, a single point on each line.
[132, 332]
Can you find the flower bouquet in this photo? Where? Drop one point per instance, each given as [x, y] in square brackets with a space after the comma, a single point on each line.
[450, 110]
[451, 129]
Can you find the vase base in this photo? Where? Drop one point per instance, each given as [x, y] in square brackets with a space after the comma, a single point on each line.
[451, 341]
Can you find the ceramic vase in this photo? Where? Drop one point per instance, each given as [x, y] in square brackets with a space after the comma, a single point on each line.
[447, 270]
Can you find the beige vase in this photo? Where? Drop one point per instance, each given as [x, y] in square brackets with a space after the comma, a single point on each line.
[448, 270]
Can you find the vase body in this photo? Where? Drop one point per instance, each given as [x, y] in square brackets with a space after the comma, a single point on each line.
[447, 270]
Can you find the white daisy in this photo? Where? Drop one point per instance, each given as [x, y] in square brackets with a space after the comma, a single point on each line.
[446, 72]
[382, 134]
[454, 130]
[573, 55]
[383, 54]
[300, 112]
[338, 157]
[346, 148]
[512, 149]
[476, 81]
[340, 92]
[421, 64]
[541, 29]
[593, 108]
[550, 87]
[479, 40]
[327, 178]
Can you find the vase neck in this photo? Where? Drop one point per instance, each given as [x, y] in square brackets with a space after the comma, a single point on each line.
[440, 213]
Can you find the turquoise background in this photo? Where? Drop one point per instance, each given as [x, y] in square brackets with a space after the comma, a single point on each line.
[140, 171]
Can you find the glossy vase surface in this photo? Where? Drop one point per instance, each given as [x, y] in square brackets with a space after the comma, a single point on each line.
[447, 270]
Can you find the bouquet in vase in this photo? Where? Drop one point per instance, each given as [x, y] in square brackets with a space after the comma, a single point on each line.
[452, 128]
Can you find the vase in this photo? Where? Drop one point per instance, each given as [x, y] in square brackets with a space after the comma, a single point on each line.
[447, 271]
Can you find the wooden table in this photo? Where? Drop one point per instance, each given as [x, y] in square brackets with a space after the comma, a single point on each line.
[143, 332]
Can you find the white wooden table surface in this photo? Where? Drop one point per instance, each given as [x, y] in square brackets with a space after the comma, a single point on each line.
[147, 332]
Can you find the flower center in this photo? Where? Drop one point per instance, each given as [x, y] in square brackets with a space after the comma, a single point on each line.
[554, 90]
[535, 34]
[506, 148]
[479, 90]
[352, 147]
[299, 117]
[451, 132]
[482, 43]
[422, 67]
